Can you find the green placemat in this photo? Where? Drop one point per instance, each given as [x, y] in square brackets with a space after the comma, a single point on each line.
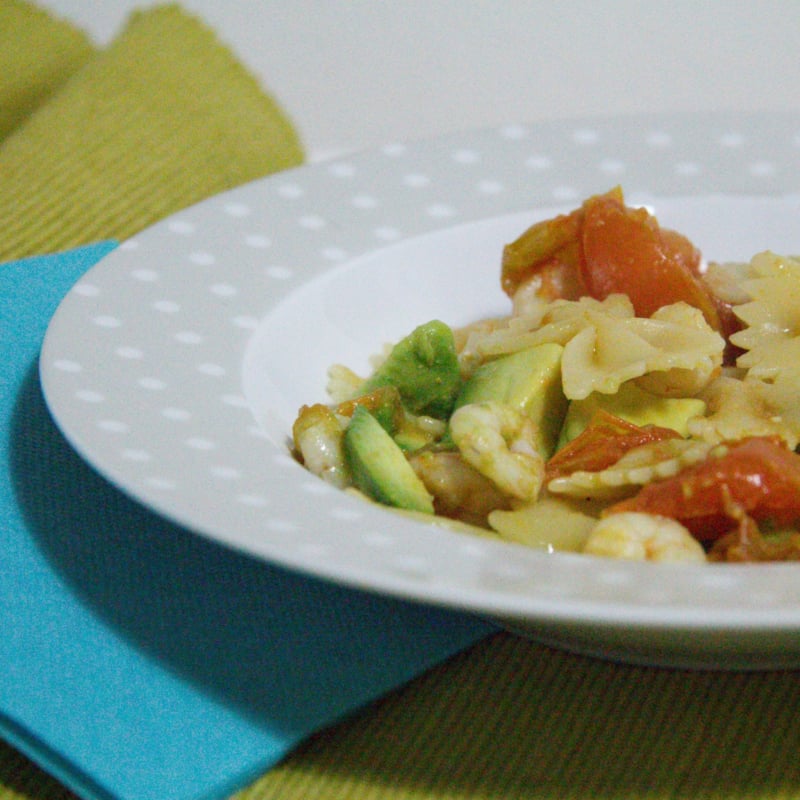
[38, 53]
[111, 141]
[161, 119]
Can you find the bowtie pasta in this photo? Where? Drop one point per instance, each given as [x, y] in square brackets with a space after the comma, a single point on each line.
[634, 403]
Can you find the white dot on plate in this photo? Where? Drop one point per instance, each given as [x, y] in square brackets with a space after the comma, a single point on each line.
[237, 209]
[245, 323]
[225, 473]
[202, 259]
[145, 275]
[612, 166]
[253, 500]
[416, 180]
[166, 306]
[514, 132]
[411, 565]
[176, 414]
[199, 443]
[86, 289]
[113, 426]
[223, 290]
[152, 384]
[279, 272]
[234, 400]
[585, 136]
[762, 169]
[311, 222]
[387, 233]
[659, 139]
[364, 201]
[394, 150]
[318, 487]
[440, 211]
[189, 337]
[539, 162]
[130, 244]
[213, 370]
[346, 514]
[164, 484]
[281, 525]
[565, 193]
[182, 227]
[313, 550]
[107, 321]
[731, 139]
[257, 241]
[687, 168]
[290, 190]
[284, 461]
[67, 365]
[333, 253]
[490, 187]
[378, 539]
[466, 156]
[129, 352]
[342, 169]
[89, 396]
[131, 454]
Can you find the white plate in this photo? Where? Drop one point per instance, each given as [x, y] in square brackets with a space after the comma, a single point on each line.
[177, 364]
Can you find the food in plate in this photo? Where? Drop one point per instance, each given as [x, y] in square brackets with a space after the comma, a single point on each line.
[635, 402]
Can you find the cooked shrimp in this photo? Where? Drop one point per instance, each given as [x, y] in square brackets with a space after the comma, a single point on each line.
[498, 441]
[643, 537]
[318, 436]
[459, 490]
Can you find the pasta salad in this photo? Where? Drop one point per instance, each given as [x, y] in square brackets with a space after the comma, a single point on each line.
[635, 401]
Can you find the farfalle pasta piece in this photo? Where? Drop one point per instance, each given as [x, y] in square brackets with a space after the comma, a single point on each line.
[558, 322]
[605, 344]
[675, 342]
[771, 317]
[638, 467]
[750, 407]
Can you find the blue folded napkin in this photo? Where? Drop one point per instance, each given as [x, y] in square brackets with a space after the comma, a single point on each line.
[137, 660]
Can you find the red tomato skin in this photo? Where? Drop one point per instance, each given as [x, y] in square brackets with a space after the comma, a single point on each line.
[758, 476]
[625, 251]
[602, 443]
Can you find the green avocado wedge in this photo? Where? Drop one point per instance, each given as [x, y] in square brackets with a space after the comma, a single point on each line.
[633, 405]
[424, 368]
[530, 382]
[380, 468]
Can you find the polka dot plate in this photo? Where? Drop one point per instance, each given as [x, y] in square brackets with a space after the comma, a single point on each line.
[178, 363]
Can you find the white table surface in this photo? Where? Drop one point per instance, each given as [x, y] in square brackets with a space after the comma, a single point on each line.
[354, 74]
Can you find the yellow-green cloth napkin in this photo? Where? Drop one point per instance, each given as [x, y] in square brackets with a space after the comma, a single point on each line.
[38, 53]
[507, 719]
[163, 118]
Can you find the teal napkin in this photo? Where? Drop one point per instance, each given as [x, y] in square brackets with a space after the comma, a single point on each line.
[139, 661]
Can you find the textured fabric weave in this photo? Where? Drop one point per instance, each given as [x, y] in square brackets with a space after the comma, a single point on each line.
[38, 53]
[161, 119]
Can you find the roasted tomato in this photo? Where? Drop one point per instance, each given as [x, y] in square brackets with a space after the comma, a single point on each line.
[757, 477]
[604, 247]
[625, 251]
[602, 443]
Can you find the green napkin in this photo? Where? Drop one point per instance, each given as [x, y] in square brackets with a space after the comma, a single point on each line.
[506, 719]
[38, 53]
[161, 119]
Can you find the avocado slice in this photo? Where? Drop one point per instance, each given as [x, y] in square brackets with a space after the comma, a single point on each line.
[380, 468]
[424, 368]
[529, 381]
[634, 405]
